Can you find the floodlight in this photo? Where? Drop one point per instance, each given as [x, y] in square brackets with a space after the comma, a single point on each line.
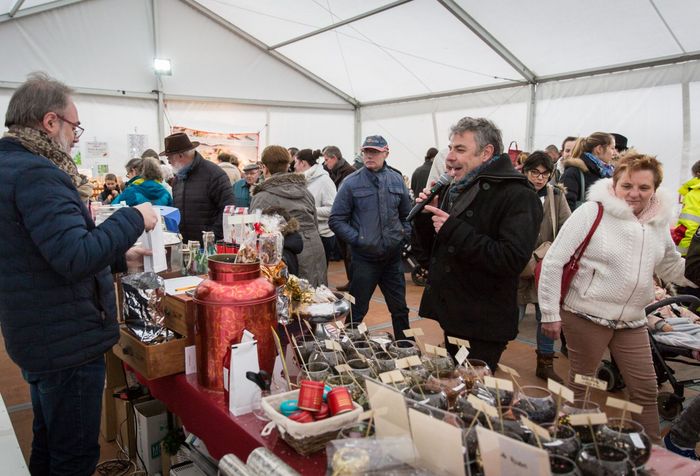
[162, 67]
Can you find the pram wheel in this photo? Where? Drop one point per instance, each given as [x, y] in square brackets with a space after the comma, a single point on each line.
[419, 276]
[609, 373]
[670, 405]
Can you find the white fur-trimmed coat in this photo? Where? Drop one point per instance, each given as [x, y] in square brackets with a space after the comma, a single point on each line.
[615, 276]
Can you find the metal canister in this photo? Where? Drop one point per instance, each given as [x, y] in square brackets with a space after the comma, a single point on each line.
[263, 461]
[339, 401]
[310, 395]
[234, 298]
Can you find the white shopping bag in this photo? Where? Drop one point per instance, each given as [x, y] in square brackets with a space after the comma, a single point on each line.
[243, 395]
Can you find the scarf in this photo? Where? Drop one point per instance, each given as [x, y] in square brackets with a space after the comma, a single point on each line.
[461, 185]
[39, 143]
[603, 169]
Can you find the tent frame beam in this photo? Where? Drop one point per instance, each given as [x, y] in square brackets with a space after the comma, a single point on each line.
[333, 26]
[15, 7]
[262, 46]
[34, 10]
[489, 39]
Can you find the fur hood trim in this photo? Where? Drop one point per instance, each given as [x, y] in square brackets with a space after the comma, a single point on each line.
[576, 162]
[659, 211]
[280, 180]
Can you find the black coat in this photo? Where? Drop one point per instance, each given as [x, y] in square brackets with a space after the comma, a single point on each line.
[479, 254]
[574, 168]
[341, 170]
[57, 304]
[201, 197]
[692, 260]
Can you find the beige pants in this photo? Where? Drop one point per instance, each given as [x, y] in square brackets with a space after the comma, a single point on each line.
[630, 348]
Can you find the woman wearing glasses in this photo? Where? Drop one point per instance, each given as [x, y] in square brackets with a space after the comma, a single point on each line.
[538, 167]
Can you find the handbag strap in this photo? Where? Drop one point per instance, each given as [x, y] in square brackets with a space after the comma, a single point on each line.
[511, 143]
[550, 196]
[582, 247]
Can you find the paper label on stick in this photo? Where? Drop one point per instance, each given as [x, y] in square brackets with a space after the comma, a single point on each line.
[413, 360]
[393, 376]
[482, 406]
[586, 419]
[623, 405]
[498, 383]
[441, 351]
[535, 428]
[462, 355]
[637, 440]
[429, 349]
[438, 444]
[362, 327]
[435, 350]
[349, 297]
[417, 332]
[401, 363]
[559, 390]
[452, 340]
[506, 456]
[340, 324]
[333, 345]
[342, 368]
[509, 370]
[591, 382]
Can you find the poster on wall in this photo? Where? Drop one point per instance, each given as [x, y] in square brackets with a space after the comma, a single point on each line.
[96, 150]
[136, 143]
[242, 145]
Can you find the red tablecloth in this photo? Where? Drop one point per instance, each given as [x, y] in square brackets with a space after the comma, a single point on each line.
[205, 414]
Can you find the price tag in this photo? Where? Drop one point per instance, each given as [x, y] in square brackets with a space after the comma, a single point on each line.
[482, 406]
[463, 342]
[349, 297]
[362, 327]
[441, 351]
[393, 376]
[430, 349]
[535, 428]
[509, 370]
[340, 324]
[401, 363]
[590, 382]
[560, 390]
[342, 368]
[333, 345]
[417, 332]
[498, 383]
[623, 405]
[462, 355]
[584, 419]
[413, 360]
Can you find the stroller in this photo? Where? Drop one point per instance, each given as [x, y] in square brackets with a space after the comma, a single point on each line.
[670, 403]
[419, 274]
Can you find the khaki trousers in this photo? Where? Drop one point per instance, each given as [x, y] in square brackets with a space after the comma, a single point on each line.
[630, 348]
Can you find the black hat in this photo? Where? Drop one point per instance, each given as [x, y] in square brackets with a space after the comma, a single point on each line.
[178, 143]
[620, 142]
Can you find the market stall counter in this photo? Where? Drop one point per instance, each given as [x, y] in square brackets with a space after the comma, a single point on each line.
[204, 413]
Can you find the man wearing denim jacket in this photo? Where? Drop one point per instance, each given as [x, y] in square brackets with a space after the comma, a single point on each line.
[369, 213]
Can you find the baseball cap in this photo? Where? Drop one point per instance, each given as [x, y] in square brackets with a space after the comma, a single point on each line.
[375, 142]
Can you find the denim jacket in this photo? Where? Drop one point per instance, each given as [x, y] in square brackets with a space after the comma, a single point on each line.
[370, 212]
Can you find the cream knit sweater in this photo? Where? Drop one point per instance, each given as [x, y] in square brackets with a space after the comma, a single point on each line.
[615, 276]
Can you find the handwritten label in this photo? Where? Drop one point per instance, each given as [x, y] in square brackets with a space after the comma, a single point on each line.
[349, 297]
[342, 368]
[413, 360]
[462, 355]
[333, 345]
[340, 324]
[535, 428]
[482, 406]
[393, 376]
[498, 383]
[509, 370]
[623, 405]
[560, 390]
[503, 455]
[401, 363]
[362, 327]
[435, 350]
[417, 332]
[588, 419]
[591, 382]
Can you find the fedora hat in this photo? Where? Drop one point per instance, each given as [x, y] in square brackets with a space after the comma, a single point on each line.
[178, 143]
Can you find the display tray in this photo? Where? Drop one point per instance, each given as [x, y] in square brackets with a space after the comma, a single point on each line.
[152, 361]
[179, 315]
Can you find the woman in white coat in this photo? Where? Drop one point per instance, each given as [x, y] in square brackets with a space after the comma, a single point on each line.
[321, 186]
[604, 306]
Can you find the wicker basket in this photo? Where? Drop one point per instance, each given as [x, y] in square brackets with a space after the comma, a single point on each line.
[306, 438]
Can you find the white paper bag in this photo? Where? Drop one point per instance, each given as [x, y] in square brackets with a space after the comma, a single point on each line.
[243, 395]
[155, 241]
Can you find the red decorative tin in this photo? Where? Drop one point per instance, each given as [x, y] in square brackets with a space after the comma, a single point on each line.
[220, 247]
[323, 413]
[311, 395]
[302, 416]
[339, 401]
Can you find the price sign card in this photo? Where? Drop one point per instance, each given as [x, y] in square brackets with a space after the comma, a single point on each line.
[438, 444]
[462, 355]
[509, 370]
[623, 405]
[498, 383]
[417, 332]
[559, 390]
[591, 382]
[457, 341]
[504, 456]
[395, 421]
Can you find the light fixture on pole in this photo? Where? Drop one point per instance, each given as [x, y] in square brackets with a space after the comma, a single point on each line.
[162, 67]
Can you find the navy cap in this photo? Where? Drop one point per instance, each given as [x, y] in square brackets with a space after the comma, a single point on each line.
[375, 142]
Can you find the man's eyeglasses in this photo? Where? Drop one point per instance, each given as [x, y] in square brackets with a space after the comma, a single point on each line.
[537, 174]
[77, 130]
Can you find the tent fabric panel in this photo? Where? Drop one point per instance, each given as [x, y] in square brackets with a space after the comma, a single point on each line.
[682, 18]
[312, 129]
[694, 145]
[391, 54]
[559, 36]
[84, 45]
[209, 60]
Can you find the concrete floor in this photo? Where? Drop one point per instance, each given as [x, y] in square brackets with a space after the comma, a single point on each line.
[519, 355]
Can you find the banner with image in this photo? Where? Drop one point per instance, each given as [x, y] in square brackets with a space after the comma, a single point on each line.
[242, 145]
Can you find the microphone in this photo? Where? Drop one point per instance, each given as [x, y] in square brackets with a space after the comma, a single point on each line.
[441, 183]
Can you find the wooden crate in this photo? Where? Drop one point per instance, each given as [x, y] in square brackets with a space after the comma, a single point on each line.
[151, 361]
[179, 315]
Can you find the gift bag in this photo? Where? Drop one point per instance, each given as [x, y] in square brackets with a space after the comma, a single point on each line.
[513, 153]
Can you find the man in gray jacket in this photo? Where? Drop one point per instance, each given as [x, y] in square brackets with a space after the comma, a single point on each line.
[369, 213]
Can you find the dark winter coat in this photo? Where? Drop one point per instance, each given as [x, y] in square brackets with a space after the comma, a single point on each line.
[571, 180]
[293, 245]
[369, 212]
[57, 303]
[479, 254]
[419, 179]
[692, 260]
[201, 197]
[341, 170]
[289, 192]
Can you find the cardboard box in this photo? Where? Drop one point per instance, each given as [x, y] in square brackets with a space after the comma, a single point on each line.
[124, 412]
[114, 371]
[151, 428]
[152, 361]
[108, 423]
